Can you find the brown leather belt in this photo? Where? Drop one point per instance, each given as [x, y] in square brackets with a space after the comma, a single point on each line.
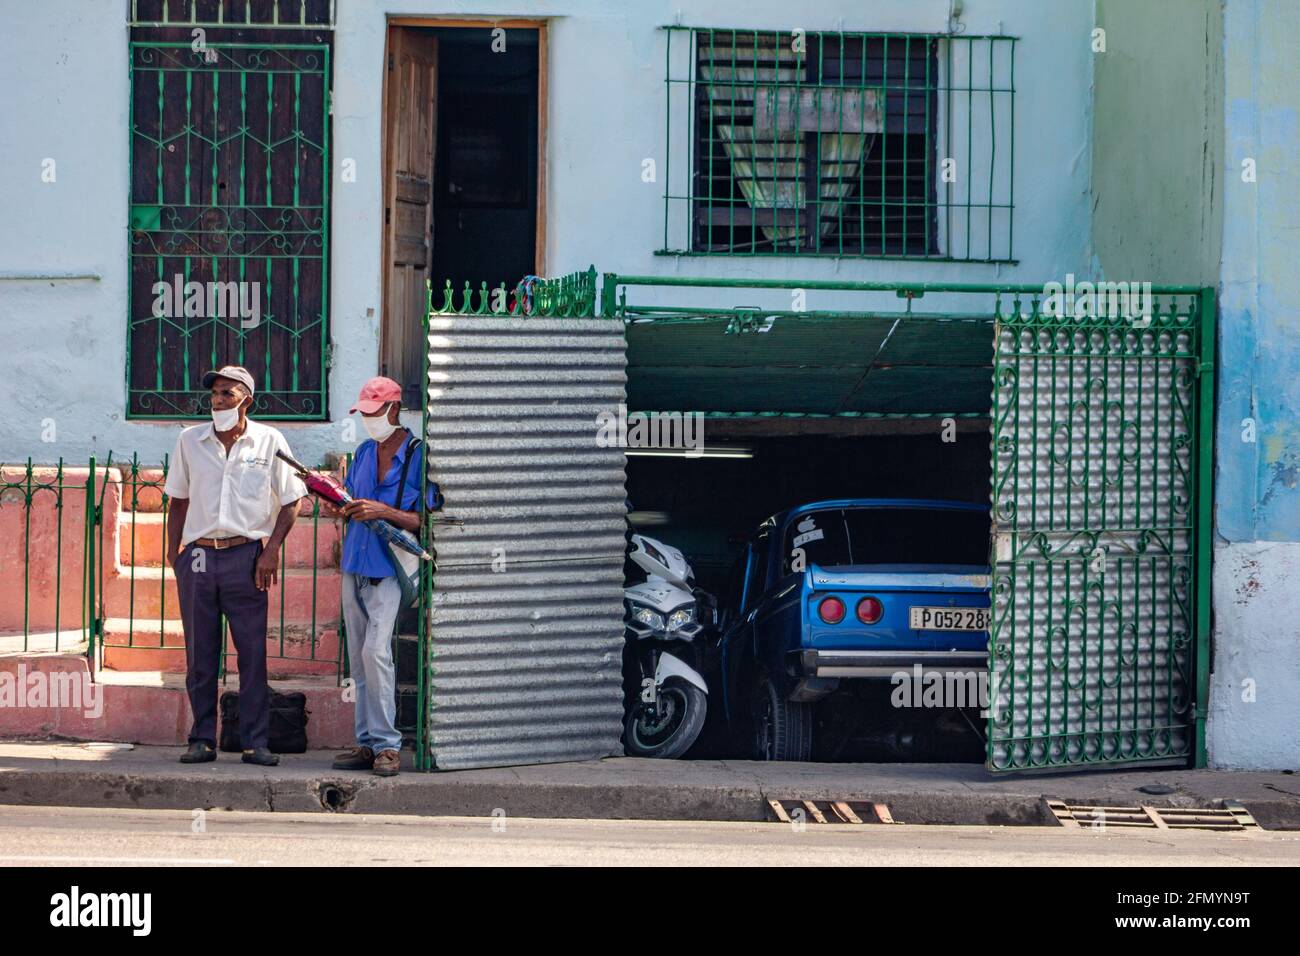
[219, 544]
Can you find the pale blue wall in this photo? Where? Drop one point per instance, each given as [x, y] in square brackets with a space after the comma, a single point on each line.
[1258, 498]
[1255, 687]
[66, 70]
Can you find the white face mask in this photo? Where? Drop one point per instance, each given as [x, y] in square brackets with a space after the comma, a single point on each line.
[378, 426]
[225, 419]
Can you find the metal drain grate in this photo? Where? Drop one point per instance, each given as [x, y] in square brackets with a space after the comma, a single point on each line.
[1232, 817]
[830, 811]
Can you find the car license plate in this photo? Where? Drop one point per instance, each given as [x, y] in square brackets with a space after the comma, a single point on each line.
[949, 619]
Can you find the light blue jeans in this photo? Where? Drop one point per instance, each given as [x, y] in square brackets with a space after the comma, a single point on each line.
[370, 614]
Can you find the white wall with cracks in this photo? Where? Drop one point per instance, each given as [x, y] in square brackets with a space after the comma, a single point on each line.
[1254, 721]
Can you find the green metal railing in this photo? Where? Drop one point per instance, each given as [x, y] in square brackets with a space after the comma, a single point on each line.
[571, 295]
[52, 610]
[295, 640]
[84, 551]
[882, 145]
[615, 288]
[424, 658]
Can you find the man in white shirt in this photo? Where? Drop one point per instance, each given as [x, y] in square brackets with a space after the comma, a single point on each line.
[232, 504]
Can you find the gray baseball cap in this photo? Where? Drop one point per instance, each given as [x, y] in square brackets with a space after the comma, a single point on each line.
[234, 372]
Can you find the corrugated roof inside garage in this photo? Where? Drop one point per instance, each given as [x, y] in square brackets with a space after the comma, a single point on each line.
[887, 364]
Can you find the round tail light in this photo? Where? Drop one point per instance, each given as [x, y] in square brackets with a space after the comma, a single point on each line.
[870, 610]
[831, 610]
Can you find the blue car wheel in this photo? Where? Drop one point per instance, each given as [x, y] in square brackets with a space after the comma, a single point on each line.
[782, 728]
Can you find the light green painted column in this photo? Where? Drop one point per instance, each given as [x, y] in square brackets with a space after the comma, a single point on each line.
[1157, 147]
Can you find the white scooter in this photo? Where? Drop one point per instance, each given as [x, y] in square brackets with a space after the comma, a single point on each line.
[666, 618]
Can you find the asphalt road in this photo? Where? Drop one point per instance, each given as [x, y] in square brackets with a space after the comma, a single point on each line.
[86, 836]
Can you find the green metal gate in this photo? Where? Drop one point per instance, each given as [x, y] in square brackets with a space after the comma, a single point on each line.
[1101, 498]
[230, 175]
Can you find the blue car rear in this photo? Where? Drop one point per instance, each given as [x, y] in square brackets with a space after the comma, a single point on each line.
[852, 589]
[858, 621]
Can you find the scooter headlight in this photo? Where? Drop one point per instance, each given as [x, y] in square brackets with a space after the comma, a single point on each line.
[647, 617]
[681, 617]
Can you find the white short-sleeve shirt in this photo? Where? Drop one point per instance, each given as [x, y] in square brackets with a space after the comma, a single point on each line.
[239, 494]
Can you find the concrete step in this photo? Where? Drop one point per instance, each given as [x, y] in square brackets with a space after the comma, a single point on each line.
[143, 646]
[152, 593]
[311, 542]
[140, 707]
[143, 491]
[66, 641]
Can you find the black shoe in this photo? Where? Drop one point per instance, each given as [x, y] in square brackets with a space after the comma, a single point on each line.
[261, 756]
[200, 752]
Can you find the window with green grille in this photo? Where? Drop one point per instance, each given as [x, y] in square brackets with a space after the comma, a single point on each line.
[840, 144]
[229, 220]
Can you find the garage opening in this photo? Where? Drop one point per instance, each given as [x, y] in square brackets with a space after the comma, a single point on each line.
[1069, 448]
[806, 409]
[1076, 426]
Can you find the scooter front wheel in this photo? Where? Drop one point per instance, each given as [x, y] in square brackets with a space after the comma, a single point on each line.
[668, 732]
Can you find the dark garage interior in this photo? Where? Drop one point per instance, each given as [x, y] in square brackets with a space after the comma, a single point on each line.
[708, 506]
[855, 408]
[700, 504]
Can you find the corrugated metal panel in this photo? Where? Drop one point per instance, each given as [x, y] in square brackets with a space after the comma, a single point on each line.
[1094, 494]
[526, 619]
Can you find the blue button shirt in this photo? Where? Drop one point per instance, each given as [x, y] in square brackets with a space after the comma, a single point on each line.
[363, 550]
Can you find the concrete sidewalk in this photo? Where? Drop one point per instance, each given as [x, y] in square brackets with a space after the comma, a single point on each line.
[72, 774]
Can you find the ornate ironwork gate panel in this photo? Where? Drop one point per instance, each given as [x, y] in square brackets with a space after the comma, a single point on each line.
[230, 210]
[1101, 433]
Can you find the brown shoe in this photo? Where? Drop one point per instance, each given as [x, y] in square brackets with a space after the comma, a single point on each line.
[387, 763]
[358, 758]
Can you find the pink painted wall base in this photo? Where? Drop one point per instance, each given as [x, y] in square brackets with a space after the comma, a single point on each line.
[51, 696]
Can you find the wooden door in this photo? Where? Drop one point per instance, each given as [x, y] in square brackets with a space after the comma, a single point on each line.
[411, 118]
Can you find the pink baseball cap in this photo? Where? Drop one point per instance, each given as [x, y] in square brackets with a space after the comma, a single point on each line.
[375, 394]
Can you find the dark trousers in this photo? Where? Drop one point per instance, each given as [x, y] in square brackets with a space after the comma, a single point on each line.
[211, 583]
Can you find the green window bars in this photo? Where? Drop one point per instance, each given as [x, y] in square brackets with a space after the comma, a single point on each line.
[229, 223]
[839, 144]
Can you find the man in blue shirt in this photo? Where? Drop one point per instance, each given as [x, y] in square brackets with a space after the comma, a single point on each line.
[371, 594]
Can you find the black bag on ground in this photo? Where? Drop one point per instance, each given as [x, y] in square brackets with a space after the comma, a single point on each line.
[288, 727]
[228, 738]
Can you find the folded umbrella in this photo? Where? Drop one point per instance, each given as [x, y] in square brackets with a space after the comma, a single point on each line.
[328, 489]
